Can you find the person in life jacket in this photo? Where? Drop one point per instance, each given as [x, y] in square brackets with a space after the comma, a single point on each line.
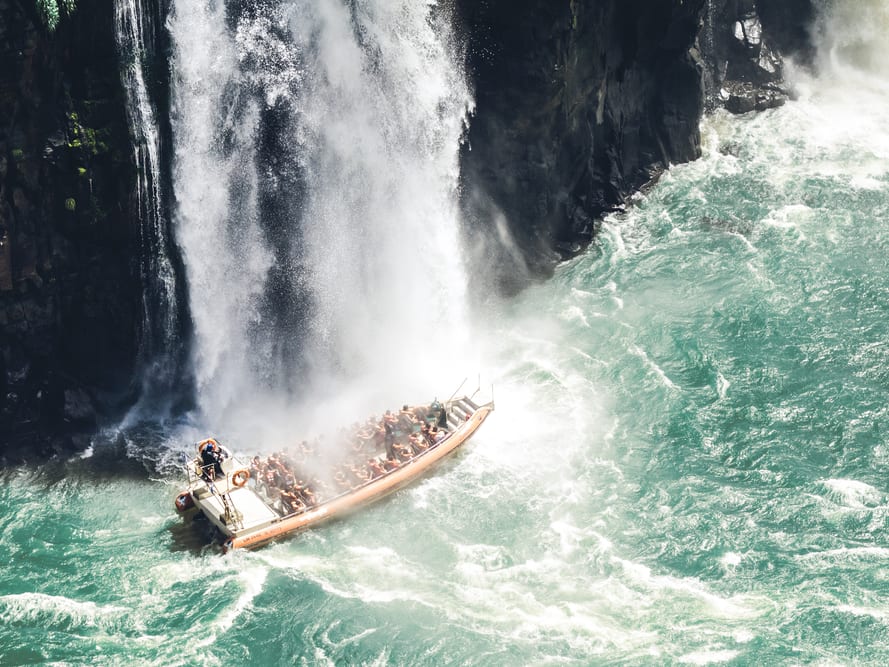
[211, 458]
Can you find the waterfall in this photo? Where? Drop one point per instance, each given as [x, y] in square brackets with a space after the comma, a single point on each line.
[711, 74]
[315, 174]
[849, 90]
[135, 33]
[851, 35]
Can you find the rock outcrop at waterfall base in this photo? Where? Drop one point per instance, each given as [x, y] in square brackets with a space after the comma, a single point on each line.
[745, 42]
[69, 303]
[579, 104]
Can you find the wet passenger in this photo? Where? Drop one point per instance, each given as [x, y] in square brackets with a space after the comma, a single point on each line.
[255, 468]
[418, 443]
[359, 473]
[290, 502]
[403, 453]
[340, 478]
[308, 495]
[376, 470]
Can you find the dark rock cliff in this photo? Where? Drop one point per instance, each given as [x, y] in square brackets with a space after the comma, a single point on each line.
[69, 296]
[745, 43]
[580, 103]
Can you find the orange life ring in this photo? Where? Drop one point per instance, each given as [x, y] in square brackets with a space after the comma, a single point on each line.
[240, 477]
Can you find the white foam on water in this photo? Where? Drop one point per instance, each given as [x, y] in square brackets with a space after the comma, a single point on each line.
[709, 657]
[790, 219]
[744, 241]
[831, 556]
[610, 232]
[497, 602]
[483, 557]
[734, 607]
[253, 581]
[743, 636]
[575, 313]
[55, 610]
[657, 370]
[722, 385]
[345, 641]
[881, 615]
[853, 493]
[378, 575]
[730, 560]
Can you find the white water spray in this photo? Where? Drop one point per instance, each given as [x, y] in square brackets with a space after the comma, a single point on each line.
[847, 97]
[315, 174]
[851, 36]
[160, 318]
[225, 257]
[382, 118]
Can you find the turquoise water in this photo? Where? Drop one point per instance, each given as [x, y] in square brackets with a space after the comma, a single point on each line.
[686, 465]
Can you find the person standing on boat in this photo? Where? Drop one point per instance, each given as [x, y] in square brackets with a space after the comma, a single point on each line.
[443, 419]
[389, 422]
[211, 458]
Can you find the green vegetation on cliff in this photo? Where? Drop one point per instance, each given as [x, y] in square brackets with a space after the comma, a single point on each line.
[52, 10]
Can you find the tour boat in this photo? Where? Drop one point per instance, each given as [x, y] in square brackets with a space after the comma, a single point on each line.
[246, 515]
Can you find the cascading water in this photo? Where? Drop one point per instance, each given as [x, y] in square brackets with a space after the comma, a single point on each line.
[707, 41]
[852, 77]
[851, 35]
[161, 330]
[315, 176]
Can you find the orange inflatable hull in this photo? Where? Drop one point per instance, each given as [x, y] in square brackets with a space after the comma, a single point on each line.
[365, 494]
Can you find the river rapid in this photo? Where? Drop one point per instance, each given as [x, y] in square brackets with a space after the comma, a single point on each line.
[687, 463]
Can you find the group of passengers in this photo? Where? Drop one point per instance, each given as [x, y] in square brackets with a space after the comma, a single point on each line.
[374, 449]
[276, 476]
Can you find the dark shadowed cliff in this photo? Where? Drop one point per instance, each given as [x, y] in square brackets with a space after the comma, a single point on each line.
[69, 303]
[580, 103]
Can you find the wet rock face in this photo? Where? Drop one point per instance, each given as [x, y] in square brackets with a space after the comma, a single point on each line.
[745, 42]
[582, 102]
[578, 104]
[788, 25]
[69, 302]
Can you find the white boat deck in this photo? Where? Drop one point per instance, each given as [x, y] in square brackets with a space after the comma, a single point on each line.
[248, 508]
[254, 512]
